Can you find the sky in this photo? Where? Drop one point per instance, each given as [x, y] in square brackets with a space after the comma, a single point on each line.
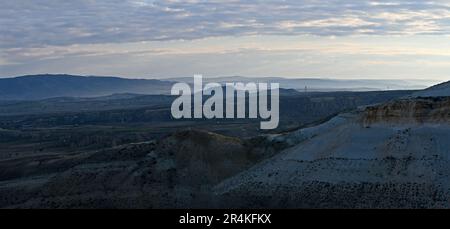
[344, 39]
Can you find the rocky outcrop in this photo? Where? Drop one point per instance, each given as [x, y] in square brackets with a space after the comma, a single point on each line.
[410, 111]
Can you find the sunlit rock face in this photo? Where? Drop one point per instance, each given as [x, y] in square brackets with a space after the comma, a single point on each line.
[410, 111]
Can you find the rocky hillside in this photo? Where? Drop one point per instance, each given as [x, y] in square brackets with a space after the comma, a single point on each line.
[394, 155]
[389, 155]
[176, 171]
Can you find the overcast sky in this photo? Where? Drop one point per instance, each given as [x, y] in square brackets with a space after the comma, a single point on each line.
[291, 38]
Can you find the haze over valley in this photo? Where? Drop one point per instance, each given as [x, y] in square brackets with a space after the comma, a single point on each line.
[359, 96]
[54, 141]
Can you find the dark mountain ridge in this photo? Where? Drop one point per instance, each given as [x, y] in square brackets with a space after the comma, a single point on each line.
[35, 87]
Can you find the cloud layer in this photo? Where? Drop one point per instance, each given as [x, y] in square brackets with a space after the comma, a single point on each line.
[309, 38]
[36, 23]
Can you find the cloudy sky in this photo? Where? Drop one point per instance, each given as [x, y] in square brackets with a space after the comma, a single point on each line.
[291, 38]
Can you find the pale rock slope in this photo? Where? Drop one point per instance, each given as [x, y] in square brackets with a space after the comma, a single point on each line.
[442, 89]
[393, 155]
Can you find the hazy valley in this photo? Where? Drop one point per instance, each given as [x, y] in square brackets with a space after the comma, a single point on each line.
[108, 148]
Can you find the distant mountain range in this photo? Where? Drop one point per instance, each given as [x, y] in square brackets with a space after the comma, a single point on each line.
[36, 87]
[324, 85]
